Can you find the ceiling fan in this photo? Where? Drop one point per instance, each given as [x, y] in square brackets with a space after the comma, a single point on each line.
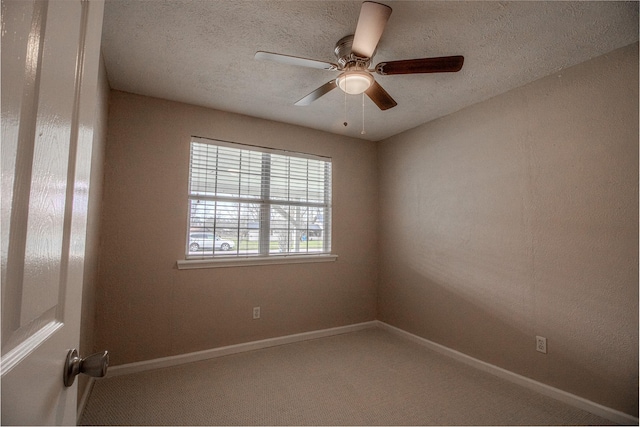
[354, 54]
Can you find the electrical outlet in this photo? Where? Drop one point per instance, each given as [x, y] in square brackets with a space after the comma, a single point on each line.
[256, 312]
[541, 344]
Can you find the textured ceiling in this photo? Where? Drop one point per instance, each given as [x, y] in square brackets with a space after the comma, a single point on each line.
[201, 52]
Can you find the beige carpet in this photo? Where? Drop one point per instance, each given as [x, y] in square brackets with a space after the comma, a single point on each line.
[370, 377]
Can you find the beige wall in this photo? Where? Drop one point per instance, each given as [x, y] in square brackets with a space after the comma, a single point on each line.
[147, 309]
[87, 328]
[509, 219]
[518, 217]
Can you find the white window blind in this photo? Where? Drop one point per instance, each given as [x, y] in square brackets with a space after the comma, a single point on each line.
[247, 201]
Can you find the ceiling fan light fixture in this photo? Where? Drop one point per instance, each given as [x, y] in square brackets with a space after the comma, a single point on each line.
[354, 82]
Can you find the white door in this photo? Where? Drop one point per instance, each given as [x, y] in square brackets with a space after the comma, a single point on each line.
[50, 52]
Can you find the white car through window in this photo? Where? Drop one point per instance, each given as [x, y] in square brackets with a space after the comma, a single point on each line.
[206, 241]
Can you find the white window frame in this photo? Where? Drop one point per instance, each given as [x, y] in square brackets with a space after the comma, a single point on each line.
[263, 257]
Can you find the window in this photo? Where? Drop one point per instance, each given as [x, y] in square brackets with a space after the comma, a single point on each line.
[247, 201]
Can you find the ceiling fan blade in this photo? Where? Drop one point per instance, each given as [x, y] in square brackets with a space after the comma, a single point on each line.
[380, 97]
[373, 18]
[295, 60]
[444, 64]
[322, 90]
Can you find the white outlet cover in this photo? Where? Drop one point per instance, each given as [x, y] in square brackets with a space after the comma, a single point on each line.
[541, 344]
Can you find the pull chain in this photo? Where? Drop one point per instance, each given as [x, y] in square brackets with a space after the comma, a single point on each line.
[345, 107]
[363, 131]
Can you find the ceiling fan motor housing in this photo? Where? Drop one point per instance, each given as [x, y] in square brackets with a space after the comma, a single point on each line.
[347, 59]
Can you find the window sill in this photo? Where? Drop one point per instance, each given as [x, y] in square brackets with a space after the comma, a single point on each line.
[189, 264]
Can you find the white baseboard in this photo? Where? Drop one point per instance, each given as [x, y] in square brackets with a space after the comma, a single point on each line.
[547, 390]
[165, 362]
[563, 396]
